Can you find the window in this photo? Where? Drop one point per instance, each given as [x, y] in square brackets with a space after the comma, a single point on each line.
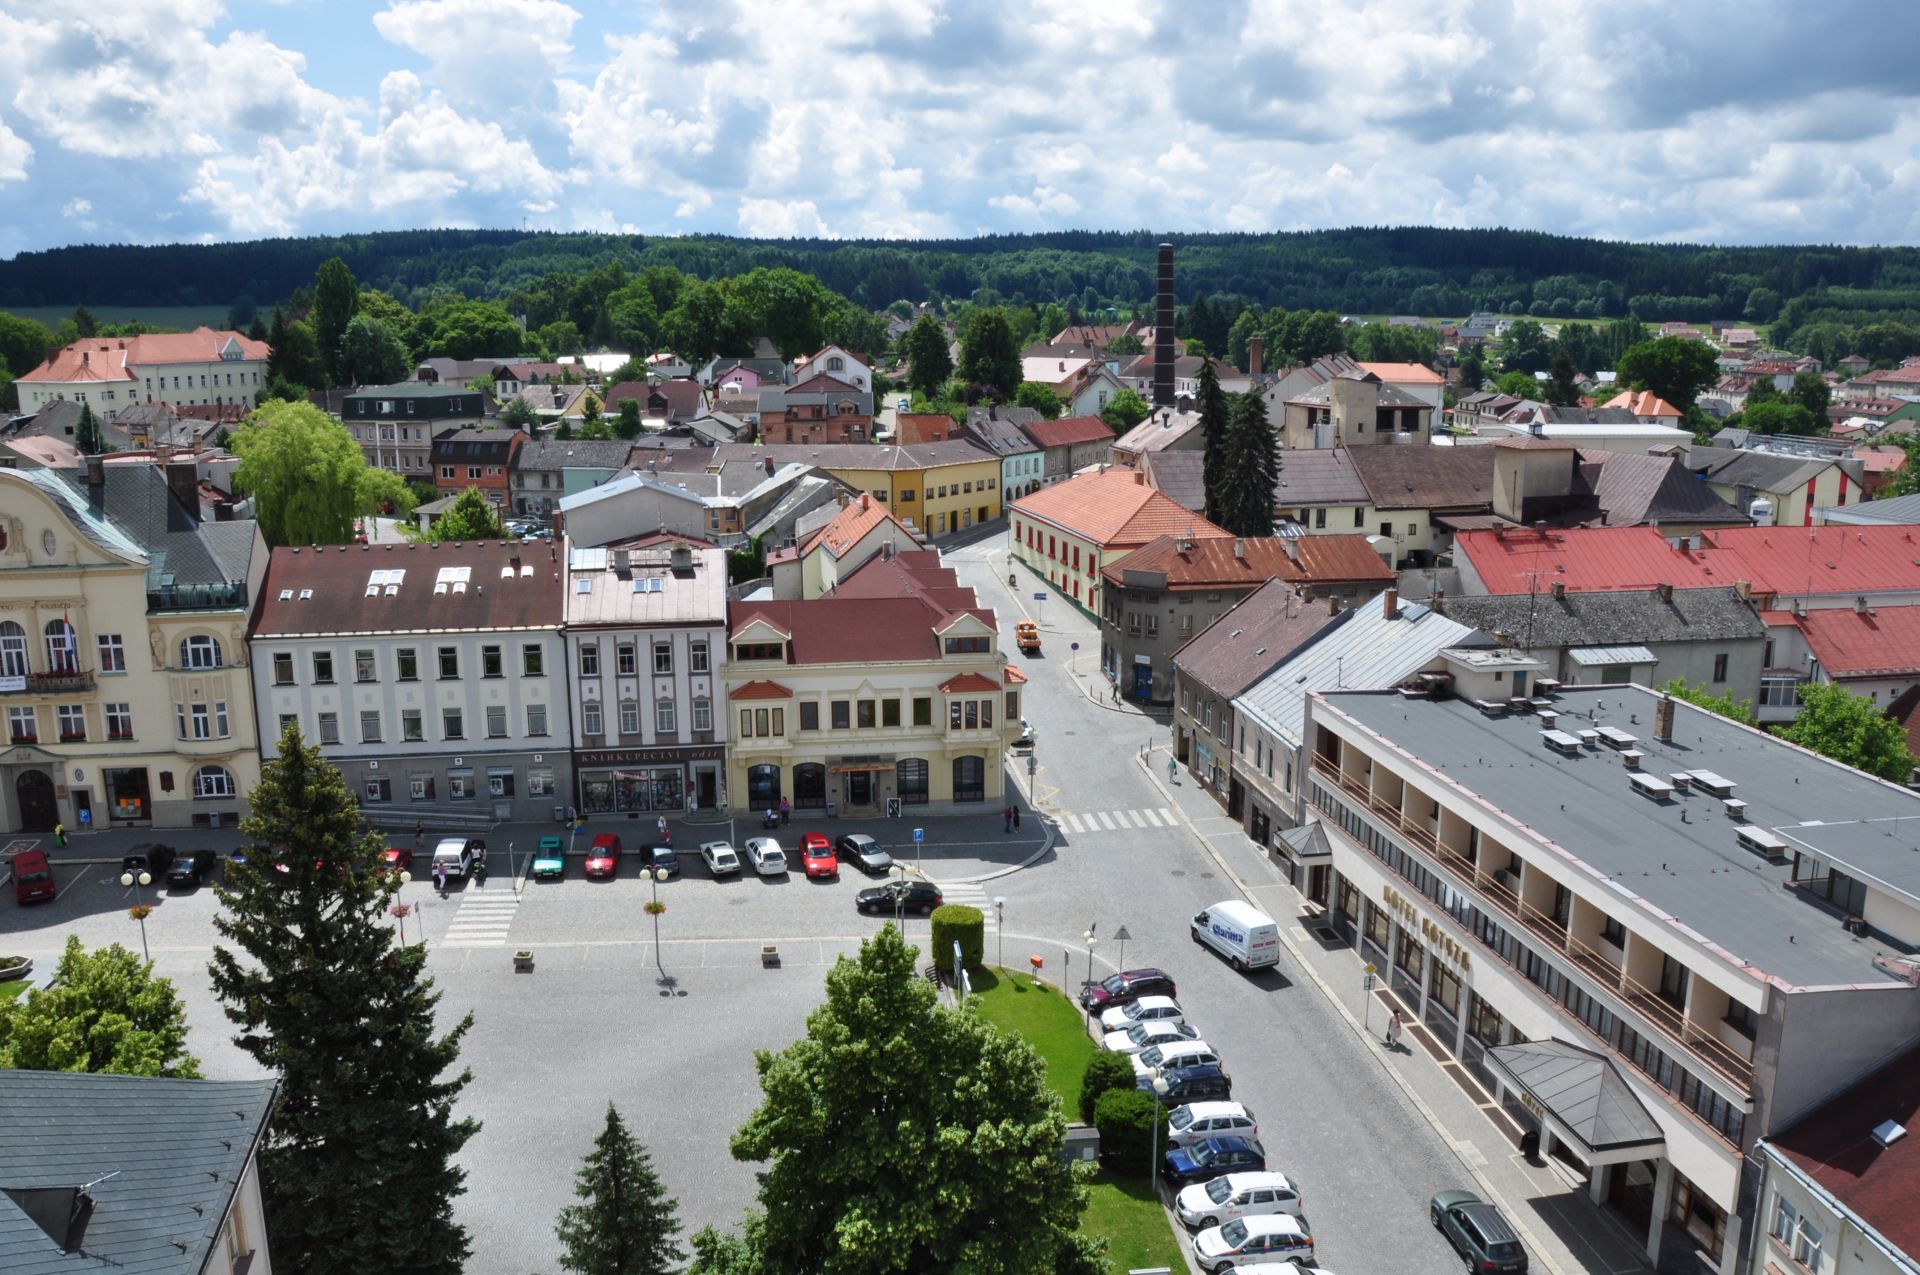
[491, 662]
[453, 724]
[536, 720]
[73, 721]
[323, 668]
[969, 779]
[411, 729]
[363, 670]
[459, 787]
[420, 788]
[533, 662]
[889, 712]
[379, 790]
[626, 660]
[922, 711]
[629, 717]
[864, 711]
[809, 715]
[1613, 932]
[22, 725]
[62, 655]
[496, 721]
[287, 720]
[199, 652]
[539, 783]
[760, 651]
[1741, 1018]
[370, 726]
[500, 783]
[1720, 667]
[1013, 705]
[13, 650]
[663, 720]
[663, 657]
[697, 656]
[590, 718]
[911, 774]
[329, 728]
[283, 668]
[703, 715]
[113, 653]
[119, 720]
[409, 663]
[841, 710]
[954, 715]
[212, 781]
[449, 663]
[967, 646]
[1786, 1219]
[1806, 1245]
[589, 660]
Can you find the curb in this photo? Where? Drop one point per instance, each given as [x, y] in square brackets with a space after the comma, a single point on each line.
[1514, 1216]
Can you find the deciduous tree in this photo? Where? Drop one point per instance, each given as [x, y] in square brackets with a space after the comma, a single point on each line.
[1125, 410]
[371, 353]
[929, 361]
[336, 297]
[1040, 398]
[1677, 368]
[23, 343]
[470, 517]
[519, 414]
[1777, 416]
[104, 1012]
[308, 477]
[627, 423]
[1811, 391]
[1700, 697]
[1851, 729]
[625, 1223]
[989, 359]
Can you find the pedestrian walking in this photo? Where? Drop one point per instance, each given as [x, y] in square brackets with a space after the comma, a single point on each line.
[1016, 817]
[1006, 817]
[786, 812]
[419, 832]
[1393, 1031]
[60, 835]
[440, 880]
[1172, 771]
[661, 825]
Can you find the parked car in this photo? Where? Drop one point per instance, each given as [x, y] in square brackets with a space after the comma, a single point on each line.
[662, 859]
[1025, 739]
[454, 855]
[1175, 1053]
[398, 858]
[1213, 1158]
[150, 857]
[1246, 936]
[864, 853]
[1126, 987]
[1146, 1035]
[1246, 1239]
[32, 877]
[1198, 1121]
[817, 856]
[603, 856]
[1148, 1009]
[766, 856]
[550, 858]
[903, 404]
[1175, 1085]
[1478, 1233]
[191, 869]
[922, 897]
[1252, 1194]
[721, 859]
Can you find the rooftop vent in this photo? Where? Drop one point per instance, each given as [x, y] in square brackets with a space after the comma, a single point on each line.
[1887, 1132]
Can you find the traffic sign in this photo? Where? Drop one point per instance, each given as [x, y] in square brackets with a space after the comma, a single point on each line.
[1040, 597]
[919, 835]
[1073, 646]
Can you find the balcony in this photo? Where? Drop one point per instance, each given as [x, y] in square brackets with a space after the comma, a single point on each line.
[47, 683]
[197, 597]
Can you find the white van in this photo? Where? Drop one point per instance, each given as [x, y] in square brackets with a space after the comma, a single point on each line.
[1240, 932]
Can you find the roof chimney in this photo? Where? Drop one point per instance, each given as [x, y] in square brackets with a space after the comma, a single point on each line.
[1390, 604]
[1256, 352]
[1559, 590]
[96, 471]
[1663, 719]
[1163, 331]
[183, 480]
[768, 462]
[1665, 590]
[840, 497]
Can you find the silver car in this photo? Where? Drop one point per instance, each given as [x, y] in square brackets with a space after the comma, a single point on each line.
[1146, 1035]
[1148, 1009]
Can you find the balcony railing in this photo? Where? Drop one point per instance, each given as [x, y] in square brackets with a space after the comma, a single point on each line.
[64, 683]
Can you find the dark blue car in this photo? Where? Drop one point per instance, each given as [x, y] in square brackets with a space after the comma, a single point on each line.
[1204, 1161]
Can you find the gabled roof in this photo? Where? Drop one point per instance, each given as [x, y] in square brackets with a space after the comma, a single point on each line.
[1318, 476]
[1834, 1144]
[181, 549]
[1632, 488]
[1068, 431]
[1882, 643]
[323, 590]
[1403, 373]
[1222, 563]
[860, 455]
[1114, 507]
[1423, 477]
[555, 454]
[1642, 403]
[1765, 471]
[1182, 476]
[1581, 558]
[852, 524]
[1626, 617]
[410, 389]
[162, 1160]
[1163, 429]
[119, 358]
[1239, 648]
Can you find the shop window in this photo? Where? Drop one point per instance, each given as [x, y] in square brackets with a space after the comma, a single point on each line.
[810, 786]
[969, 778]
[910, 775]
[213, 781]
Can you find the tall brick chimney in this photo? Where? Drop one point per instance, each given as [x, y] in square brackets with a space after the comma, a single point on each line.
[1256, 353]
[1163, 332]
[183, 479]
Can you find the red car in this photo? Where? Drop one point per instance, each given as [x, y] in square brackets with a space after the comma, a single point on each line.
[603, 856]
[399, 858]
[816, 852]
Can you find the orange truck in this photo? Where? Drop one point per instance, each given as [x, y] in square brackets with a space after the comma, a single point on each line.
[1026, 634]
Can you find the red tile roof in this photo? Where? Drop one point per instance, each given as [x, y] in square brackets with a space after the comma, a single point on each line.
[1849, 644]
[839, 630]
[1834, 1145]
[1643, 403]
[1114, 508]
[1067, 431]
[968, 682]
[1015, 677]
[1246, 564]
[1403, 373]
[855, 521]
[760, 690]
[336, 581]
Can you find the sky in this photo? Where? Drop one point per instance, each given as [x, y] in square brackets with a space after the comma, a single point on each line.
[1732, 121]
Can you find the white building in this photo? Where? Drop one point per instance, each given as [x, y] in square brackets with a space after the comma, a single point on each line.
[646, 640]
[430, 673]
[185, 369]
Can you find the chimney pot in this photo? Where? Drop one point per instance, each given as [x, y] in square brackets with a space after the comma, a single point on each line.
[1390, 604]
[1663, 719]
[1559, 590]
[1666, 592]
[96, 471]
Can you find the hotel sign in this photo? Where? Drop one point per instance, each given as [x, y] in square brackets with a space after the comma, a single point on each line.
[1443, 944]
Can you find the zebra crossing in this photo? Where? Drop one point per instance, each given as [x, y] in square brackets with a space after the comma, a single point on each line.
[973, 896]
[483, 918]
[1118, 820]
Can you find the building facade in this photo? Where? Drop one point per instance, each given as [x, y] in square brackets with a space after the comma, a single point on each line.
[186, 369]
[1067, 532]
[544, 471]
[433, 675]
[482, 458]
[395, 424]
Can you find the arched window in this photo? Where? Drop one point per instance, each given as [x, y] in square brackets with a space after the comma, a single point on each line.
[199, 651]
[970, 778]
[13, 650]
[809, 786]
[213, 781]
[63, 654]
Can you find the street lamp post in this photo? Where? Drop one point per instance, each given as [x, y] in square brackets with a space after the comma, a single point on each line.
[654, 877]
[1088, 936]
[139, 911]
[1000, 930]
[1159, 1118]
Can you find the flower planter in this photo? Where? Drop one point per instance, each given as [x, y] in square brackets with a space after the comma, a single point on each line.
[523, 962]
[770, 957]
[21, 967]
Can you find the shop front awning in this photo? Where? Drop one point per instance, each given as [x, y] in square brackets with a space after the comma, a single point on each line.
[1601, 656]
[1582, 1098]
[1308, 841]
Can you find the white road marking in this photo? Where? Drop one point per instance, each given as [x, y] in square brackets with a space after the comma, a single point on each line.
[1106, 821]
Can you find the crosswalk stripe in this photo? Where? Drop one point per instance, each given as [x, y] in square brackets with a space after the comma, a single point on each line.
[1154, 819]
[1106, 821]
[1138, 822]
[482, 920]
[1168, 816]
[1071, 823]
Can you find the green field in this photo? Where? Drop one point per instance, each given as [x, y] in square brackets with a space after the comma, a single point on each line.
[14, 987]
[183, 317]
[1122, 1209]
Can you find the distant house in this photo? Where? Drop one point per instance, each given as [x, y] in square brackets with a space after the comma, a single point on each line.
[837, 363]
[482, 458]
[1067, 531]
[543, 471]
[1647, 407]
[395, 424]
[820, 409]
[1022, 462]
[1070, 444]
[1352, 409]
[1166, 429]
[670, 401]
[203, 367]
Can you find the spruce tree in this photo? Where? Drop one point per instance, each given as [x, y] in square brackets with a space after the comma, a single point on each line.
[1252, 468]
[323, 998]
[626, 1222]
[86, 434]
[1211, 403]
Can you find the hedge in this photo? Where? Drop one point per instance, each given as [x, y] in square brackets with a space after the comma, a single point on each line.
[1125, 1119]
[953, 921]
[1105, 1070]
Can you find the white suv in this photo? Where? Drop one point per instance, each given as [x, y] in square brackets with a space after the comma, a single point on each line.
[1175, 1053]
[1197, 1121]
[766, 856]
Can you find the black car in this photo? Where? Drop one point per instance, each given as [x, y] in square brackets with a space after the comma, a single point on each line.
[1202, 1082]
[864, 853]
[922, 897]
[1125, 988]
[662, 858]
[191, 868]
[1478, 1233]
[150, 857]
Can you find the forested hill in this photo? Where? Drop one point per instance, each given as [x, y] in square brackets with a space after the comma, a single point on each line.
[1362, 270]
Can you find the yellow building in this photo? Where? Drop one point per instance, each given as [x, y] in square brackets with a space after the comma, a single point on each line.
[939, 488]
[123, 651]
[889, 695]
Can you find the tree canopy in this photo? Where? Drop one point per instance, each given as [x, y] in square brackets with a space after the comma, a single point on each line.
[929, 361]
[470, 517]
[105, 1011]
[1700, 697]
[1125, 410]
[1211, 403]
[371, 353]
[1250, 468]
[1851, 729]
[989, 358]
[1677, 368]
[1040, 398]
[625, 1222]
[335, 299]
[307, 476]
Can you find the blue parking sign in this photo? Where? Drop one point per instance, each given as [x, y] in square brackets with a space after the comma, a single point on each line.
[919, 835]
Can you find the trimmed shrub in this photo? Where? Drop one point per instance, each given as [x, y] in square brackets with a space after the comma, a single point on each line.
[1105, 1070]
[956, 921]
[1125, 1119]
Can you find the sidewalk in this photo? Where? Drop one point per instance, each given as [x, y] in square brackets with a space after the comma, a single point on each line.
[1545, 1202]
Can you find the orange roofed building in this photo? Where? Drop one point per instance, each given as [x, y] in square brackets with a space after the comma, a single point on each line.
[201, 368]
[1067, 532]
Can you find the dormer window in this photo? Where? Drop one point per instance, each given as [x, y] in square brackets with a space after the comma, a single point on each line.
[968, 646]
[760, 651]
[836, 363]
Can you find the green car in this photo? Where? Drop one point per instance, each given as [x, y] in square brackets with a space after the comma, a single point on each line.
[550, 858]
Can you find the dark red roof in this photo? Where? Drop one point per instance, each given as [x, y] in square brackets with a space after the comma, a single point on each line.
[1227, 564]
[760, 690]
[1834, 1145]
[330, 589]
[1068, 430]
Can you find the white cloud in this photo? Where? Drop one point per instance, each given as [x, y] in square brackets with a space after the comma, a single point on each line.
[76, 208]
[777, 219]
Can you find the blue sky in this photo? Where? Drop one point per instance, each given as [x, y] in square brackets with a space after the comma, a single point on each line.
[1735, 121]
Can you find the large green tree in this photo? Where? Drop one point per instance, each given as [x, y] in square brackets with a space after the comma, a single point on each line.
[307, 477]
[371, 353]
[470, 517]
[1125, 410]
[519, 414]
[1777, 416]
[1739, 710]
[105, 1012]
[23, 343]
[1251, 468]
[1562, 388]
[1525, 347]
[989, 358]
[901, 1135]
[625, 1223]
[1677, 368]
[463, 329]
[929, 360]
[308, 972]
[1811, 391]
[336, 297]
[1211, 403]
[1041, 398]
[1849, 728]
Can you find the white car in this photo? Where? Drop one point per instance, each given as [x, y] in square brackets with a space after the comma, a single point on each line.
[1175, 1053]
[1237, 1195]
[1278, 1268]
[1198, 1121]
[1148, 1009]
[766, 856]
[721, 860]
[1146, 1035]
[903, 405]
[1245, 1240]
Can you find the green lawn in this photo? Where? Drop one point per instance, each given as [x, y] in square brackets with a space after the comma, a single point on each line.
[14, 987]
[1122, 1209]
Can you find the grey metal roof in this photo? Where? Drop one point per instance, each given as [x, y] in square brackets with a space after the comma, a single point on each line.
[1308, 841]
[1000, 436]
[1584, 1091]
[1688, 871]
[164, 1158]
[137, 501]
[1318, 476]
[1763, 471]
[1602, 656]
[1890, 509]
[1627, 617]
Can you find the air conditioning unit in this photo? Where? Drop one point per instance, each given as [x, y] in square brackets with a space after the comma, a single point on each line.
[1504, 876]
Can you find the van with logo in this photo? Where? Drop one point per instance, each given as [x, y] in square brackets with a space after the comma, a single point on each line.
[1242, 933]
